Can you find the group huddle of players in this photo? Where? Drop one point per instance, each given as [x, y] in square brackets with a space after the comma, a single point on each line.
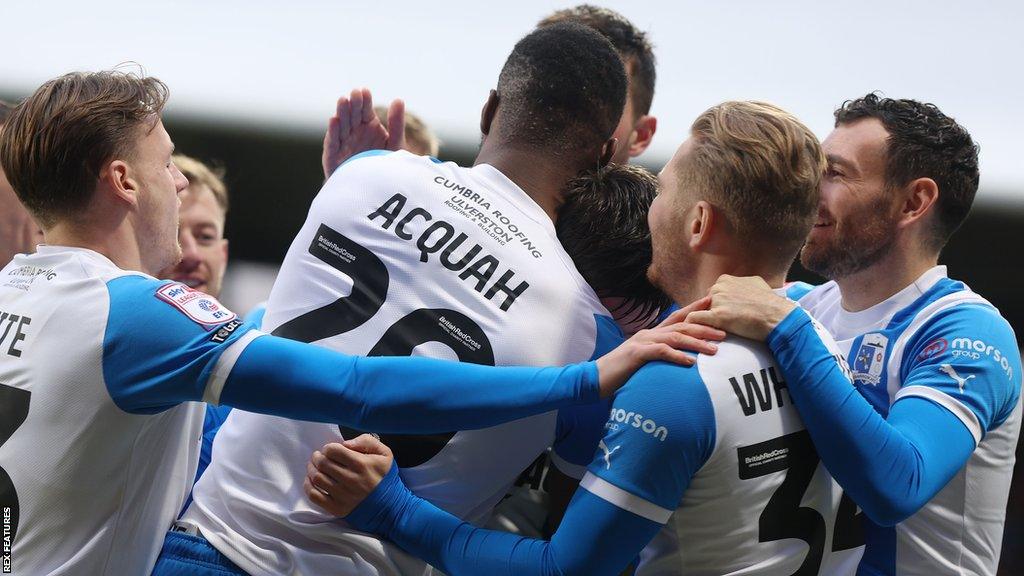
[746, 426]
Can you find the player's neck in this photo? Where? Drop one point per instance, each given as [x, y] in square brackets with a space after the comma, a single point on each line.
[880, 281]
[119, 246]
[711, 267]
[543, 181]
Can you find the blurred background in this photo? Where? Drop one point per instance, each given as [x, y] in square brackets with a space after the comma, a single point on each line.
[253, 83]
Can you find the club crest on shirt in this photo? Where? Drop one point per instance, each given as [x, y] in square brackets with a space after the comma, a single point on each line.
[869, 361]
[201, 308]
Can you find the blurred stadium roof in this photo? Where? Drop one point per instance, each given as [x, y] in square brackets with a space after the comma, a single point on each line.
[268, 65]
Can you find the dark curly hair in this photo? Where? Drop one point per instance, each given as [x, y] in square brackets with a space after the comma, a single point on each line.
[603, 227]
[924, 143]
[630, 42]
[562, 90]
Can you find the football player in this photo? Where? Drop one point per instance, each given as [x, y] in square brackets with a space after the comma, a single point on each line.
[924, 438]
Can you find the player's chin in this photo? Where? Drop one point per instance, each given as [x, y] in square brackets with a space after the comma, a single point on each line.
[818, 258]
[170, 257]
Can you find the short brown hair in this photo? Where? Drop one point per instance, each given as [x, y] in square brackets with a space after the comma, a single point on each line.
[762, 167]
[200, 174]
[419, 138]
[629, 41]
[5, 110]
[56, 141]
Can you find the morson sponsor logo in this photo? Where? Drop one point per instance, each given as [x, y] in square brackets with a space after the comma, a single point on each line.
[648, 426]
[970, 349]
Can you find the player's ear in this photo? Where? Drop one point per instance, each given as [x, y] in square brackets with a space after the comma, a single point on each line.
[644, 129]
[921, 195]
[116, 178]
[488, 113]
[607, 151]
[700, 222]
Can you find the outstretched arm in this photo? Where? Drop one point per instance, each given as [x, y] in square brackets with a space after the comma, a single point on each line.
[891, 463]
[424, 395]
[201, 352]
[891, 466]
[595, 538]
[628, 493]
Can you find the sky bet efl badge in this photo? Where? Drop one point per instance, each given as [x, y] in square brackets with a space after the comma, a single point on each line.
[869, 361]
[199, 307]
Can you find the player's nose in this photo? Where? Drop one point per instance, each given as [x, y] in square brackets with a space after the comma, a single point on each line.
[189, 248]
[180, 181]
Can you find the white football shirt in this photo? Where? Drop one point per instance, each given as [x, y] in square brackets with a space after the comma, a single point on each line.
[936, 339]
[400, 255]
[98, 446]
[717, 453]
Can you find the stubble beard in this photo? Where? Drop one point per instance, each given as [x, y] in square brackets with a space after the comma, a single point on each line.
[856, 246]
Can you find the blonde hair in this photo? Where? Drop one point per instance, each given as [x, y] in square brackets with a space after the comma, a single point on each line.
[419, 138]
[199, 173]
[762, 167]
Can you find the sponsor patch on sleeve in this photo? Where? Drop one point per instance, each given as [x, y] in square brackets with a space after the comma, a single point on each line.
[224, 332]
[201, 308]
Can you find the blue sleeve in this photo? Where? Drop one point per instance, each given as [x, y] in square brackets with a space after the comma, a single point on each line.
[606, 525]
[966, 360]
[159, 352]
[890, 467]
[580, 427]
[659, 433]
[396, 395]
[577, 433]
[255, 316]
[797, 290]
[595, 538]
[162, 342]
[608, 336]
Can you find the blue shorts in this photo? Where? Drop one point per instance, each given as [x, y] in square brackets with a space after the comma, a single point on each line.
[187, 555]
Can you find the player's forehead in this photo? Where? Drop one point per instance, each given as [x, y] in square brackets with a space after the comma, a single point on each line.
[152, 136]
[860, 145]
[199, 206]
